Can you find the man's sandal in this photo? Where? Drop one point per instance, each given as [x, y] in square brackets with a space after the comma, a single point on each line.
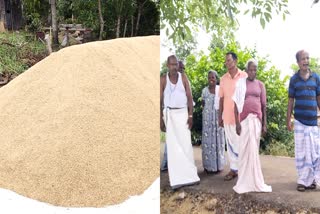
[312, 186]
[301, 188]
[231, 175]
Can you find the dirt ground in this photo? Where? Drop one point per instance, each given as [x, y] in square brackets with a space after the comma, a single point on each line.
[190, 202]
[214, 195]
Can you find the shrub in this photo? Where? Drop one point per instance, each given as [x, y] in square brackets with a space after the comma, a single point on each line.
[277, 97]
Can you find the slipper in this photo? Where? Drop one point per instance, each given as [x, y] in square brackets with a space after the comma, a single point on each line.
[231, 175]
[210, 172]
[301, 188]
[312, 186]
[164, 169]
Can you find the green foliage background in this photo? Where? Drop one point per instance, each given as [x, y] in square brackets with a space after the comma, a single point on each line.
[37, 14]
[278, 140]
[219, 17]
[14, 58]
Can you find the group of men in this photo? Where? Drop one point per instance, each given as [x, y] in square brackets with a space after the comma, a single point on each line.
[176, 107]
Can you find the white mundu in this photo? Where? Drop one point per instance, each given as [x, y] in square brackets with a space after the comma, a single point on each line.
[175, 94]
[181, 167]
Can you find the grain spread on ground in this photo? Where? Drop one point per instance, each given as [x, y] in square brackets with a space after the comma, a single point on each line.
[81, 127]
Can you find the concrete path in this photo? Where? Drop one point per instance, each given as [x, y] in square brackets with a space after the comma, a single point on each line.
[279, 172]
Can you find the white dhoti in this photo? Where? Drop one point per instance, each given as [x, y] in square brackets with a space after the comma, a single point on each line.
[232, 138]
[181, 166]
[250, 177]
[307, 153]
[232, 146]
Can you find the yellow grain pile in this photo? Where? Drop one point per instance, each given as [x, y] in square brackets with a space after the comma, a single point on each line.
[81, 127]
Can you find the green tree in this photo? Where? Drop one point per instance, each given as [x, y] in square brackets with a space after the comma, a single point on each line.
[314, 65]
[182, 51]
[65, 11]
[197, 69]
[87, 13]
[128, 13]
[54, 22]
[164, 68]
[116, 16]
[36, 14]
[149, 22]
[101, 21]
[181, 17]
[140, 7]
[124, 9]
[107, 19]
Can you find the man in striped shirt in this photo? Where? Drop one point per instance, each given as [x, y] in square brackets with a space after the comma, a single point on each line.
[304, 96]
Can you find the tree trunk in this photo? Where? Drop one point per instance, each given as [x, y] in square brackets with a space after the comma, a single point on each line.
[16, 15]
[118, 26]
[125, 28]
[11, 16]
[132, 25]
[138, 19]
[54, 22]
[48, 43]
[2, 16]
[140, 9]
[49, 19]
[101, 20]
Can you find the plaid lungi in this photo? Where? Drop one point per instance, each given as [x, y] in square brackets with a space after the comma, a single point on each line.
[307, 153]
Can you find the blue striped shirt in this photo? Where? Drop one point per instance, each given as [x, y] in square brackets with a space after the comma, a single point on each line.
[305, 93]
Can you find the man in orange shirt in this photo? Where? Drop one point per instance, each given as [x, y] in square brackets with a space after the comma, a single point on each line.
[226, 114]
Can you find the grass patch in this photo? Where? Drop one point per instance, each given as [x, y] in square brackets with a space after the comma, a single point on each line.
[280, 149]
[19, 51]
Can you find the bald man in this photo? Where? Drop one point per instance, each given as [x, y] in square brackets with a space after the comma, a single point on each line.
[176, 120]
[164, 163]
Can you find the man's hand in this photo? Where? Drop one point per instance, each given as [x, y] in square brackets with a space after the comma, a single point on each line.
[289, 113]
[264, 130]
[289, 126]
[190, 122]
[162, 125]
[238, 129]
[221, 123]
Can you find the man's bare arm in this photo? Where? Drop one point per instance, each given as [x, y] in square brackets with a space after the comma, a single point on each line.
[190, 99]
[162, 86]
[236, 116]
[289, 113]
[188, 93]
[318, 101]
[221, 111]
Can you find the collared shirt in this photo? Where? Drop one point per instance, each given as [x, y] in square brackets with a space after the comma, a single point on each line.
[305, 93]
[227, 87]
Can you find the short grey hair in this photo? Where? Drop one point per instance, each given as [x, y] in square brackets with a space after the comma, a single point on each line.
[299, 53]
[251, 61]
